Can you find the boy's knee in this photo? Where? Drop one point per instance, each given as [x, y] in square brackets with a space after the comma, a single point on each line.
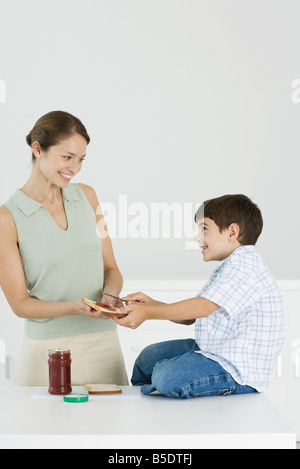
[163, 378]
[146, 355]
[143, 366]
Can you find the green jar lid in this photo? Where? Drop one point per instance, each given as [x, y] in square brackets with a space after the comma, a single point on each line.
[76, 398]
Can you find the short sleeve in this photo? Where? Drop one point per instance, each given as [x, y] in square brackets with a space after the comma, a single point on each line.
[232, 292]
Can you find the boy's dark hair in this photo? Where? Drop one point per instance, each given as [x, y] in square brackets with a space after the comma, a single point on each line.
[236, 208]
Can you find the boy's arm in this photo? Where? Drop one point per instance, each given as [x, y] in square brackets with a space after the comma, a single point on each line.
[182, 311]
[142, 298]
[187, 322]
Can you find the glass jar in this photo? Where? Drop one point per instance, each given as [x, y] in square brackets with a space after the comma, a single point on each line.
[60, 371]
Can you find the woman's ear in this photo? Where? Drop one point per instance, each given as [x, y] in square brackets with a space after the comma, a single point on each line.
[36, 149]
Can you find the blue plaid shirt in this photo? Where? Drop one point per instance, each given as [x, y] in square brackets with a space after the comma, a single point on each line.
[246, 333]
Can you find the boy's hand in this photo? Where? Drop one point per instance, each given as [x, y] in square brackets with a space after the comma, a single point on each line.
[140, 298]
[136, 315]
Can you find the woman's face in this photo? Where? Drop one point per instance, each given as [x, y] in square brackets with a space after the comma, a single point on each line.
[61, 162]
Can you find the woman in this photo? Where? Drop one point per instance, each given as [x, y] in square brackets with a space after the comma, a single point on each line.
[51, 256]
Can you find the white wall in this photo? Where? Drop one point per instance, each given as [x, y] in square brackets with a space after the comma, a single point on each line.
[184, 100]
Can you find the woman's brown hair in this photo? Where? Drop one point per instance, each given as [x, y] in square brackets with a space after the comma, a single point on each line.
[53, 127]
[236, 208]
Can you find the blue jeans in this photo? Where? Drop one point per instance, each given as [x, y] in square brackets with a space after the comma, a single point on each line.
[174, 369]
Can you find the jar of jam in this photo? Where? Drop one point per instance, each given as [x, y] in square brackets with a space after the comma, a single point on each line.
[60, 371]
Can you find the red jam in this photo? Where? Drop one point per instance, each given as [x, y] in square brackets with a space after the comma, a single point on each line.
[103, 305]
[60, 372]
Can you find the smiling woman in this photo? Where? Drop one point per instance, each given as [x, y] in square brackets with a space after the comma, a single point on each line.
[54, 127]
[51, 257]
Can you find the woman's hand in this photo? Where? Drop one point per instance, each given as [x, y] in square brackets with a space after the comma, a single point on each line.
[111, 301]
[82, 308]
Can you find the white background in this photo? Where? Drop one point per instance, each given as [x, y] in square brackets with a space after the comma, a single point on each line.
[184, 100]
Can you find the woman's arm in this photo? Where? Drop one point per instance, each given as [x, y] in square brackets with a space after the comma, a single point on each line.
[12, 279]
[113, 280]
[13, 284]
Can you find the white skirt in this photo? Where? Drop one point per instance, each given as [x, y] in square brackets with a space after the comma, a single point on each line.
[96, 358]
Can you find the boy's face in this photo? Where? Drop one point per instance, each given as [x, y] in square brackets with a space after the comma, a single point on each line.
[216, 246]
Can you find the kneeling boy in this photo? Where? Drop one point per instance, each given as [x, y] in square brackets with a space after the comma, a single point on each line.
[239, 314]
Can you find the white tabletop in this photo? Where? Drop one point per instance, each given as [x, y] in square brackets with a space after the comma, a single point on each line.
[31, 418]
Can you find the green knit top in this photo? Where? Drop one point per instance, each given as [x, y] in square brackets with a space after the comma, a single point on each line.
[60, 265]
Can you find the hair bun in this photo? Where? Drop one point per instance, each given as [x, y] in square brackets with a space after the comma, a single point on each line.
[28, 139]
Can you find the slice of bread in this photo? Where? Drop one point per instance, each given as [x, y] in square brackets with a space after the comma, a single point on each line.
[102, 308]
[103, 389]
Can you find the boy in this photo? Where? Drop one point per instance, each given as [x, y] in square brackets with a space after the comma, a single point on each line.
[238, 314]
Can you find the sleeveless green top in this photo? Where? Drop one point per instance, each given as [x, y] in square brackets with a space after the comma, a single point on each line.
[60, 265]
